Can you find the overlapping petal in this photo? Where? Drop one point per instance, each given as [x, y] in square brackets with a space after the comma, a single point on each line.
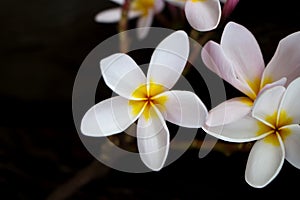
[215, 59]
[169, 59]
[203, 15]
[290, 104]
[122, 74]
[286, 60]
[266, 105]
[153, 139]
[229, 111]
[242, 49]
[245, 129]
[183, 108]
[108, 117]
[265, 161]
[291, 140]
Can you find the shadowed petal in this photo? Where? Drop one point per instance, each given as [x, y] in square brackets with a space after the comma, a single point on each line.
[229, 111]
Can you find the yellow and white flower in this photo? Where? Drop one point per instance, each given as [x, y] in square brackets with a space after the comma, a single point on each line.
[239, 61]
[147, 99]
[144, 9]
[274, 123]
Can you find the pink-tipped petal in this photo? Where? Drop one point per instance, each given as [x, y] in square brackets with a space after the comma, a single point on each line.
[267, 104]
[229, 111]
[183, 108]
[286, 60]
[291, 140]
[108, 117]
[144, 24]
[122, 74]
[229, 7]
[153, 140]
[215, 59]
[203, 15]
[169, 59]
[242, 49]
[290, 105]
[265, 162]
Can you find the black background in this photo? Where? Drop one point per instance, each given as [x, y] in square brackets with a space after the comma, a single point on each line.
[43, 44]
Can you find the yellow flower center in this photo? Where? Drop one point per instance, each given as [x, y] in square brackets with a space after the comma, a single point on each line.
[142, 6]
[276, 124]
[146, 98]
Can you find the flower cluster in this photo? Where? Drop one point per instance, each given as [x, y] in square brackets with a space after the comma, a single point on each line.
[268, 114]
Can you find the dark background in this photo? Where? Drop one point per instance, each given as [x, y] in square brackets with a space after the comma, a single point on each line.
[43, 44]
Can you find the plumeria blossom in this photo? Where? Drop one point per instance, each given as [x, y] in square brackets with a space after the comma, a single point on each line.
[239, 61]
[144, 9]
[147, 100]
[274, 123]
[204, 15]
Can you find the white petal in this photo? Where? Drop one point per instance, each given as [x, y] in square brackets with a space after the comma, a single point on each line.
[169, 59]
[280, 82]
[215, 59]
[109, 16]
[144, 24]
[153, 140]
[113, 15]
[108, 117]
[264, 162]
[120, 2]
[286, 60]
[245, 129]
[183, 108]
[291, 140]
[203, 15]
[267, 105]
[290, 104]
[159, 6]
[243, 51]
[229, 111]
[122, 74]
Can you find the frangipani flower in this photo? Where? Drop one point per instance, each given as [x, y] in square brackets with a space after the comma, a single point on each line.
[144, 9]
[147, 100]
[238, 60]
[203, 15]
[275, 124]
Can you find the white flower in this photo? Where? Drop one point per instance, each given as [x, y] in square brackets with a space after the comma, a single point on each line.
[239, 61]
[202, 15]
[275, 124]
[147, 100]
[144, 9]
